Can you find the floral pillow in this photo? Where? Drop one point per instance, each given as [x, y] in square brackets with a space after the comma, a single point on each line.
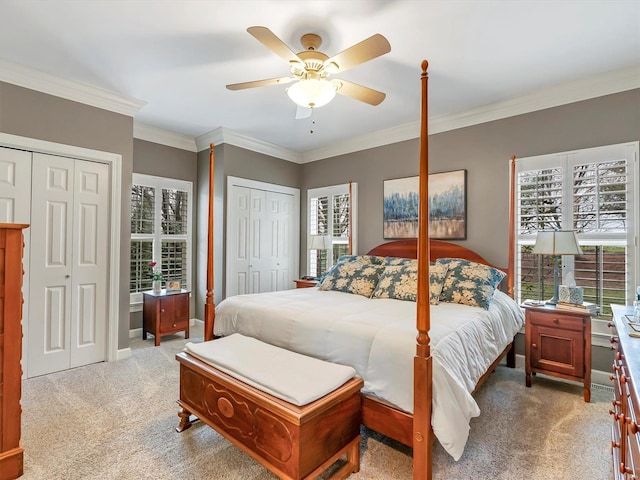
[401, 282]
[361, 258]
[469, 283]
[398, 261]
[353, 277]
[437, 275]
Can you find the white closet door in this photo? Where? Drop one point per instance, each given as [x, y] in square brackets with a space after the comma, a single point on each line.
[238, 240]
[90, 263]
[51, 264]
[279, 241]
[69, 264]
[258, 249]
[262, 237]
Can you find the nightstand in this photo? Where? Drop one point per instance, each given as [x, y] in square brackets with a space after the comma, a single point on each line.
[302, 283]
[165, 313]
[558, 343]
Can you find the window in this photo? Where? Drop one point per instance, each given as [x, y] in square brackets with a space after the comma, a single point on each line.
[592, 192]
[329, 215]
[160, 231]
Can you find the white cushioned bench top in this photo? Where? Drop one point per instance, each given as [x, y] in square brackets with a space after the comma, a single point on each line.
[290, 376]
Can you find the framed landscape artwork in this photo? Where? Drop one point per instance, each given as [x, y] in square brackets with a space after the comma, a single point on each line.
[447, 206]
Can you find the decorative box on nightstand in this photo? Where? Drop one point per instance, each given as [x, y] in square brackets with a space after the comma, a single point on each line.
[558, 343]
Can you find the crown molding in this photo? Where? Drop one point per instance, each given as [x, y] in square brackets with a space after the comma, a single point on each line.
[375, 139]
[224, 135]
[153, 134]
[584, 89]
[40, 81]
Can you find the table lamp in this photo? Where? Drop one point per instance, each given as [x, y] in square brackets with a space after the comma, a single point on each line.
[556, 243]
[320, 242]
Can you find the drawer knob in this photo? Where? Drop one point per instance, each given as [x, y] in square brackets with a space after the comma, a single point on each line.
[614, 444]
[556, 320]
[174, 325]
[610, 324]
[162, 310]
[534, 345]
[613, 339]
[616, 403]
[624, 469]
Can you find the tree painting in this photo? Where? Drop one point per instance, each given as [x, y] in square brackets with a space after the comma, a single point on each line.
[447, 206]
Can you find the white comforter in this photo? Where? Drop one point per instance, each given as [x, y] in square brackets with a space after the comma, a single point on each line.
[377, 337]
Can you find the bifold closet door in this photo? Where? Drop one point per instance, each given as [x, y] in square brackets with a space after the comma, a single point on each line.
[259, 249]
[69, 217]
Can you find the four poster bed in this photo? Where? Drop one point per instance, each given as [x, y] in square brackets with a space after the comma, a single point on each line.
[457, 344]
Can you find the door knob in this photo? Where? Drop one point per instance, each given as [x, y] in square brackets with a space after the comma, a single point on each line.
[67, 276]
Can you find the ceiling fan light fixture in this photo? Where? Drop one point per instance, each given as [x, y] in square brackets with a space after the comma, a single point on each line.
[312, 92]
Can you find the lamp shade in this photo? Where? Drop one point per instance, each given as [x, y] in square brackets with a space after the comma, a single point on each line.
[312, 92]
[558, 242]
[320, 242]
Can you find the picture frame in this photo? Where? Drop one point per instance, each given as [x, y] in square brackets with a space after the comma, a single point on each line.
[174, 285]
[447, 206]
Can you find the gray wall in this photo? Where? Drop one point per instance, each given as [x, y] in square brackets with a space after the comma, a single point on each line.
[484, 151]
[161, 161]
[32, 114]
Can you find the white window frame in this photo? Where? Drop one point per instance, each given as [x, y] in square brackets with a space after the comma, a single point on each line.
[157, 237]
[567, 160]
[353, 215]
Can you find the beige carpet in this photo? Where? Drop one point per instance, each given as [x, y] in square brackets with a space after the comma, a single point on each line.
[116, 421]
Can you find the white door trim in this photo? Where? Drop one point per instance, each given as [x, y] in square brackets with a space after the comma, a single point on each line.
[114, 160]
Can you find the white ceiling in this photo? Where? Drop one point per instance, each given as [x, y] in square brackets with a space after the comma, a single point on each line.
[177, 56]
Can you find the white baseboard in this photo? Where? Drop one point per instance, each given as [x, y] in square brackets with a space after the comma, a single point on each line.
[123, 353]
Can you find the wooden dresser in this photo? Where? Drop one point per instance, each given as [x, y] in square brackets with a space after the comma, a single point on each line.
[625, 411]
[11, 250]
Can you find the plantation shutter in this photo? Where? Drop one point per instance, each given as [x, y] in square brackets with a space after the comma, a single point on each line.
[329, 214]
[592, 192]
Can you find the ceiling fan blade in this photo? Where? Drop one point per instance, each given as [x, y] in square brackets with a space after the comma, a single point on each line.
[261, 83]
[273, 43]
[359, 92]
[366, 50]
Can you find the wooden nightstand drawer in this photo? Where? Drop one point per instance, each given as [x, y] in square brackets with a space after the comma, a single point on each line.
[561, 320]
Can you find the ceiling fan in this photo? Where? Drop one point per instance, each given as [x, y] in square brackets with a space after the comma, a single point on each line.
[311, 69]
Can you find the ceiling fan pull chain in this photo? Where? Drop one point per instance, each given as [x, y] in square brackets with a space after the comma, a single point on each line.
[313, 121]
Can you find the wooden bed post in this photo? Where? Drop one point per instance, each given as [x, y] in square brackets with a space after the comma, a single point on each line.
[209, 306]
[512, 228]
[422, 364]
